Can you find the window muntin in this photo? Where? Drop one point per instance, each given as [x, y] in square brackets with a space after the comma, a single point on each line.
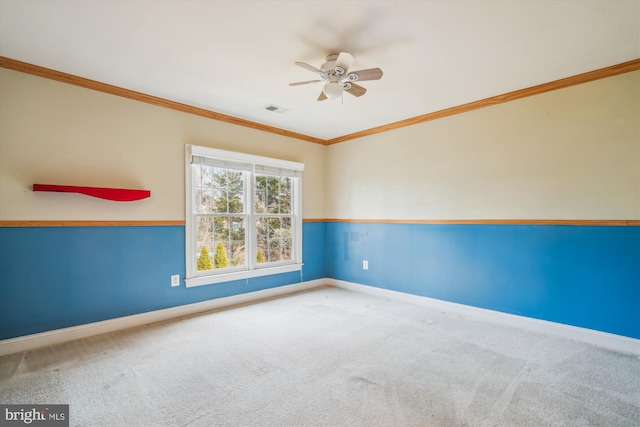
[244, 212]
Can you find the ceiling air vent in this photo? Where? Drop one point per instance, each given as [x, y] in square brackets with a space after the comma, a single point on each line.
[276, 109]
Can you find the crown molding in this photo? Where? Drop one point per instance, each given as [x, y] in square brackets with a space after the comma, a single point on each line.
[601, 73]
[589, 76]
[59, 76]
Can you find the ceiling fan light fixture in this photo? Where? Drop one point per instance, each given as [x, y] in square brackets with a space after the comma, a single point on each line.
[333, 90]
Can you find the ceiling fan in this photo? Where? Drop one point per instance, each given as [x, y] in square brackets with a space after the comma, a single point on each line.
[337, 78]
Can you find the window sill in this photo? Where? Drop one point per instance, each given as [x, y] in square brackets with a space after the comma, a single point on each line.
[239, 275]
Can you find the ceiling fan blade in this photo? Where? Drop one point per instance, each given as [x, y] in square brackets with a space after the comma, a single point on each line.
[344, 61]
[304, 83]
[356, 90]
[368, 74]
[309, 67]
[322, 96]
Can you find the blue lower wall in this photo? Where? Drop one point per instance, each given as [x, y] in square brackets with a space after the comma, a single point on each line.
[56, 277]
[577, 275]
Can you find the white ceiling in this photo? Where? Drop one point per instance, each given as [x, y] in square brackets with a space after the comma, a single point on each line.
[237, 57]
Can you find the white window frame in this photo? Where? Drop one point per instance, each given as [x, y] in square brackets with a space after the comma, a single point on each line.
[252, 269]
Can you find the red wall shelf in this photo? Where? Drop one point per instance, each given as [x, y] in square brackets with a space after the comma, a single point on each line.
[115, 194]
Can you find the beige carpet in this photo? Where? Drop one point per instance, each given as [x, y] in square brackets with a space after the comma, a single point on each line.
[328, 357]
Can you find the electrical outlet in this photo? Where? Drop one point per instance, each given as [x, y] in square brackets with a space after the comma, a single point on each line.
[365, 265]
[175, 280]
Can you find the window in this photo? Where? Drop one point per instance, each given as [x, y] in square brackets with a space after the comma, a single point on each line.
[243, 216]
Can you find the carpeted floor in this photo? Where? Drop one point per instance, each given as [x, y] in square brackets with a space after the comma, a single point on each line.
[328, 357]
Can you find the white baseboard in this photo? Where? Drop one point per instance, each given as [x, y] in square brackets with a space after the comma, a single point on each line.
[28, 342]
[602, 339]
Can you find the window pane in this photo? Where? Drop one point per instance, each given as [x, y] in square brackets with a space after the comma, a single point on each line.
[206, 176]
[261, 194]
[274, 228]
[285, 228]
[236, 228]
[273, 190]
[197, 175]
[203, 256]
[218, 200]
[274, 238]
[204, 229]
[227, 191]
[227, 238]
[218, 190]
[204, 197]
[286, 249]
[235, 192]
[285, 195]
[262, 254]
[221, 256]
[262, 228]
[273, 194]
[237, 254]
[220, 228]
[274, 250]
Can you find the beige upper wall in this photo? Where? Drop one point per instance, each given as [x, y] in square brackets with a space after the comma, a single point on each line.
[568, 154]
[573, 153]
[55, 133]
